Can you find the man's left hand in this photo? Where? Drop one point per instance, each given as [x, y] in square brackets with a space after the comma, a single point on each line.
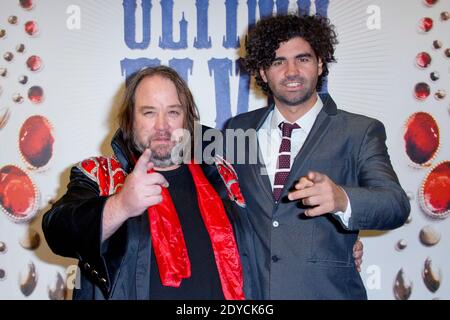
[321, 193]
[358, 251]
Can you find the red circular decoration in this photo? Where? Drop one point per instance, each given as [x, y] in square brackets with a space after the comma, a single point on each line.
[434, 193]
[425, 24]
[32, 28]
[36, 141]
[421, 138]
[36, 94]
[430, 2]
[421, 91]
[26, 4]
[18, 194]
[34, 63]
[423, 60]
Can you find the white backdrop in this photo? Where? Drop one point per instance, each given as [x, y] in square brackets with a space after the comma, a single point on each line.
[82, 45]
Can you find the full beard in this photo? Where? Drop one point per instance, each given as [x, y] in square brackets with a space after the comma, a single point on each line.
[162, 155]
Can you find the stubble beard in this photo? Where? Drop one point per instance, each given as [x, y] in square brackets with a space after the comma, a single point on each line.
[294, 102]
[299, 99]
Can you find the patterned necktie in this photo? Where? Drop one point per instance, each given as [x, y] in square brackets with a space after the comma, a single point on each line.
[284, 158]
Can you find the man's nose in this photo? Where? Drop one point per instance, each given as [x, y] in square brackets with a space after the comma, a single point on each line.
[291, 68]
[161, 121]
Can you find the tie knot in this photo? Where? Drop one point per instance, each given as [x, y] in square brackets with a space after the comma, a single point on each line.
[286, 128]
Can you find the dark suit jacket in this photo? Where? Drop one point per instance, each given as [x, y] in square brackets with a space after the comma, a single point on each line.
[311, 258]
[119, 268]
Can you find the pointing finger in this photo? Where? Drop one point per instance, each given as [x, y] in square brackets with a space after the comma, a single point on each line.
[141, 164]
[303, 183]
[315, 176]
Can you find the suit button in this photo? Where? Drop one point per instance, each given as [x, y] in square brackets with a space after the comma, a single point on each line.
[275, 258]
[94, 273]
[103, 281]
[87, 266]
[275, 224]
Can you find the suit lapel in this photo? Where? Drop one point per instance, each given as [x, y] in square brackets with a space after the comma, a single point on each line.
[256, 170]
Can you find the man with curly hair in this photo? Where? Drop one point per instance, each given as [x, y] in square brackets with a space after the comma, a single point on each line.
[323, 175]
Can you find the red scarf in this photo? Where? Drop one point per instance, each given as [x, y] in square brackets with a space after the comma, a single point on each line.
[170, 247]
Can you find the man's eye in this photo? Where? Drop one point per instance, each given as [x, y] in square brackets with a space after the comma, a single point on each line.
[174, 113]
[303, 59]
[277, 63]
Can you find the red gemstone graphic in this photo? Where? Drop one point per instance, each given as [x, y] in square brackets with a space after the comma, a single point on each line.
[421, 138]
[434, 194]
[36, 94]
[421, 91]
[27, 4]
[34, 63]
[425, 24]
[31, 27]
[430, 2]
[18, 194]
[36, 141]
[423, 60]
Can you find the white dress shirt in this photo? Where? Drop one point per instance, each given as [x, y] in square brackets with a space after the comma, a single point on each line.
[270, 136]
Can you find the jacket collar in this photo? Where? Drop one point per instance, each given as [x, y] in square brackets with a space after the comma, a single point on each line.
[120, 150]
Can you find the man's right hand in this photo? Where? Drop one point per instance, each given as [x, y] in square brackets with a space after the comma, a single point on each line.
[139, 191]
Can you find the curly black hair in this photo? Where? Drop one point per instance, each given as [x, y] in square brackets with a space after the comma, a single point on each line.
[267, 35]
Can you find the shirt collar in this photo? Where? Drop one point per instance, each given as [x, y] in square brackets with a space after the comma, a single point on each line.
[305, 122]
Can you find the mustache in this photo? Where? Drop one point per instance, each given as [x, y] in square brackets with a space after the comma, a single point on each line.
[161, 135]
[298, 79]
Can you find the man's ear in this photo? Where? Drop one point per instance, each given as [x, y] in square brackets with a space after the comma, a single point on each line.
[319, 67]
[262, 73]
